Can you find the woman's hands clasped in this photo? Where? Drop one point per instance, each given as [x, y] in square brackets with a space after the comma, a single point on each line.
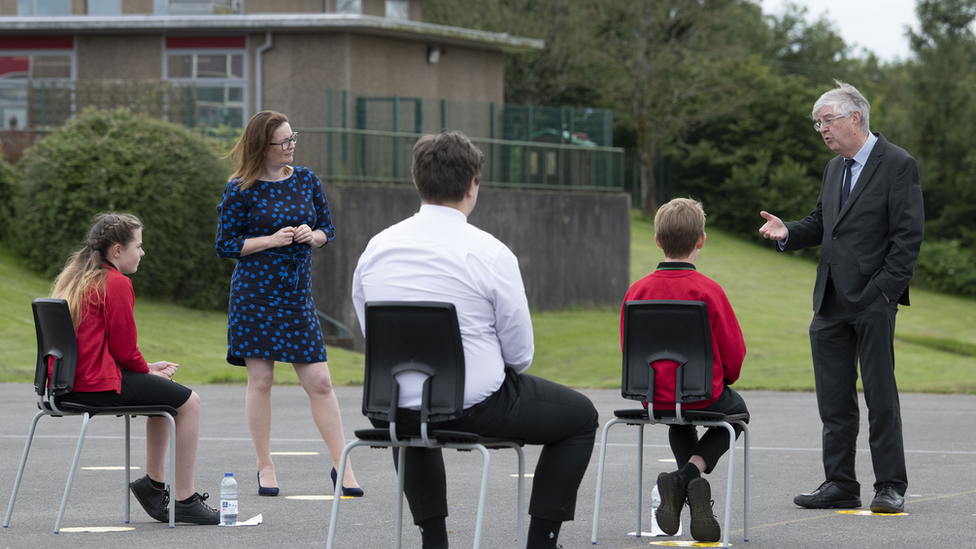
[285, 236]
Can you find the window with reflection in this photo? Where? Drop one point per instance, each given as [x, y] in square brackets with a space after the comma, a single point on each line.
[349, 6]
[30, 8]
[197, 65]
[398, 9]
[35, 67]
[216, 67]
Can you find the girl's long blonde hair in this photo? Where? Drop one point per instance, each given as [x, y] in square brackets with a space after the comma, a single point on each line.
[84, 271]
[251, 150]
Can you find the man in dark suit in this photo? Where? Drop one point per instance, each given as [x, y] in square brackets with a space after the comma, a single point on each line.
[868, 222]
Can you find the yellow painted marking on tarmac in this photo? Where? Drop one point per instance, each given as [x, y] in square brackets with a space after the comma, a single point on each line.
[817, 517]
[98, 529]
[109, 468]
[671, 460]
[687, 543]
[294, 453]
[868, 513]
[526, 475]
[316, 498]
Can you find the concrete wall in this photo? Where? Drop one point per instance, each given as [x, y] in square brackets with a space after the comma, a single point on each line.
[120, 56]
[136, 7]
[300, 67]
[386, 67]
[573, 248]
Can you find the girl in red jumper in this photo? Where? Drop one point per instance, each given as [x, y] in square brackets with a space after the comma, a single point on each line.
[112, 372]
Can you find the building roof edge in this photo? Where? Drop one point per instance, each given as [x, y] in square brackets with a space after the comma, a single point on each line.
[304, 22]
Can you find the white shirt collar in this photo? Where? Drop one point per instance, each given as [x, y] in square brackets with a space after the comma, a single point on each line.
[442, 212]
[862, 155]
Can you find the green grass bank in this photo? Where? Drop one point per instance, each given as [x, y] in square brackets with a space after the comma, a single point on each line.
[771, 293]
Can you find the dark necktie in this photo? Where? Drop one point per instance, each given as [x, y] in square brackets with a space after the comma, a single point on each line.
[845, 191]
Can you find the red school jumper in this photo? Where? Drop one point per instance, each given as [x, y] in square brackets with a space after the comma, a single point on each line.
[107, 336]
[680, 281]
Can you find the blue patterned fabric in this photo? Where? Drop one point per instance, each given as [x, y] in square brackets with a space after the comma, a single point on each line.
[271, 314]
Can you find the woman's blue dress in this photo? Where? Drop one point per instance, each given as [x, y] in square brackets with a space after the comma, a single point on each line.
[271, 314]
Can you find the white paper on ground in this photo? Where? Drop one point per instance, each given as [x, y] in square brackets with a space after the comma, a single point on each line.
[655, 529]
[254, 521]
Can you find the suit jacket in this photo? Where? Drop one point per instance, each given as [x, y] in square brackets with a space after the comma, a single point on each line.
[870, 245]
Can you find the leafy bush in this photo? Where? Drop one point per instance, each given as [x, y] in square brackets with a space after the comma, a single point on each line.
[767, 157]
[168, 176]
[946, 266]
[8, 186]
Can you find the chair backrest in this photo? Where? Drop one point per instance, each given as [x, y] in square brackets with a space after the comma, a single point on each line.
[413, 336]
[657, 330]
[55, 337]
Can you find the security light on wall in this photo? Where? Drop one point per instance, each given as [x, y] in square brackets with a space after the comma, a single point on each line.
[433, 54]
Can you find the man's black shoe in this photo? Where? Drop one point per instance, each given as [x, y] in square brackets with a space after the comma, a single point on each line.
[152, 499]
[673, 492]
[704, 527]
[828, 496]
[196, 511]
[887, 499]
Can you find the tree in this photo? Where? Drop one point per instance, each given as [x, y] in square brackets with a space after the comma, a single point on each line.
[563, 72]
[682, 65]
[766, 155]
[943, 112]
[797, 48]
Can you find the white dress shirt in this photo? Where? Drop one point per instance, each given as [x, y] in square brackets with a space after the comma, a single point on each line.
[437, 256]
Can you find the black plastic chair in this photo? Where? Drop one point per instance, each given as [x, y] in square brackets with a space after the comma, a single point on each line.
[677, 331]
[56, 338]
[420, 337]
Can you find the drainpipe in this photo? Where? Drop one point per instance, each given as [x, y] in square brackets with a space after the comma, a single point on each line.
[258, 73]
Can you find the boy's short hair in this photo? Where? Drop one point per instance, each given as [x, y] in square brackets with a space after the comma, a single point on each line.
[444, 165]
[678, 226]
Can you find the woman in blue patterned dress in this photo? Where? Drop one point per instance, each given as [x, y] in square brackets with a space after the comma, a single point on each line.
[270, 217]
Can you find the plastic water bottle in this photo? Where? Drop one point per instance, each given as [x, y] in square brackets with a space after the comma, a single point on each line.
[655, 497]
[228, 500]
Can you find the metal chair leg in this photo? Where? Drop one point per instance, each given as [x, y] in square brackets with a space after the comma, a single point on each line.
[401, 476]
[520, 509]
[337, 496]
[125, 487]
[729, 486]
[599, 476]
[745, 480]
[20, 470]
[640, 476]
[482, 497]
[71, 474]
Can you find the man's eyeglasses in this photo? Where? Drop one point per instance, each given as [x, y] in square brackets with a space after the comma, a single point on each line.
[827, 122]
[284, 144]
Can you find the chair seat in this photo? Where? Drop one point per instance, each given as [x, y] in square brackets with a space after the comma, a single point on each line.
[634, 413]
[696, 415]
[113, 410]
[689, 415]
[441, 437]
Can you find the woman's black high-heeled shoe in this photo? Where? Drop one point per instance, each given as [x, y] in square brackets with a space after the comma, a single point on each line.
[262, 491]
[346, 492]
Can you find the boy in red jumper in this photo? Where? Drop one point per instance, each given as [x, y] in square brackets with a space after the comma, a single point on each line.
[679, 230]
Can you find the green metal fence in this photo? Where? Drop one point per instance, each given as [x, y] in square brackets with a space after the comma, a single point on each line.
[346, 155]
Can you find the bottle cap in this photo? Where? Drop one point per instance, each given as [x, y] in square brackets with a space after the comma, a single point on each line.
[228, 474]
